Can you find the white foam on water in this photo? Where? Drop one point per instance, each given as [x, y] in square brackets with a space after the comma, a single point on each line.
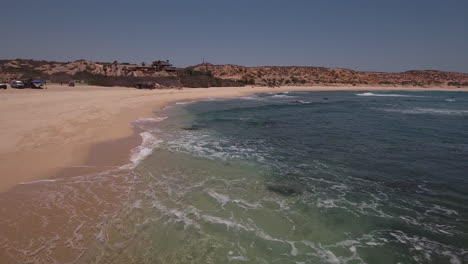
[149, 142]
[137, 204]
[152, 119]
[230, 256]
[138, 154]
[181, 216]
[39, 181]
[224, 199]
[184, 102]
[228, 223]
[251, 98]
[421, 246]
[327, 203]
[327, 256]
[101, 236]
[89, 166]
[221, 198]
[282, 96]
[422, 110]
[294, 251]
[441, 210]
[210, 146]
[387, 95]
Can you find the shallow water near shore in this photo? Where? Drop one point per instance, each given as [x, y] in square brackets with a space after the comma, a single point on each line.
[298, 177]
[322, 177]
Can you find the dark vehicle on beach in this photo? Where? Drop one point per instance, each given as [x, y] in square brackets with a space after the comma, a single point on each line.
[3, 86]
[35, 84]
[17, 84]
[146, 85]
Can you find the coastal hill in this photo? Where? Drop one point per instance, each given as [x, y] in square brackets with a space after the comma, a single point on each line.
[158, 74]
[81, 69]
[163, 74]
[299, 75]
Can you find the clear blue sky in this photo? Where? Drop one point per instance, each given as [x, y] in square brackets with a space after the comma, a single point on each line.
[372, 35]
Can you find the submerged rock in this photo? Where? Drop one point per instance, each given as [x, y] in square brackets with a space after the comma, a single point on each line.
[285, 190]
[193, 127]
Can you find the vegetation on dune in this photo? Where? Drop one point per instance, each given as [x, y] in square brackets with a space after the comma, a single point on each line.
[305, 75]
[197, 79]
[124, 81]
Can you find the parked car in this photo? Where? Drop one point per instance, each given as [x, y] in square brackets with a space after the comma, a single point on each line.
[17, 84]
[3, 86]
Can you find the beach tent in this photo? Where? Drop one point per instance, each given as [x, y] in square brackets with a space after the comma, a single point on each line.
[35, 83]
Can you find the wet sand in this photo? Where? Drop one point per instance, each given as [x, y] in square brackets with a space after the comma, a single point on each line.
[44, 133]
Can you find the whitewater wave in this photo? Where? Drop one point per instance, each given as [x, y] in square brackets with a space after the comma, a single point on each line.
[184, 102]
[282, 96]
[39, 181]
[387, 95]
[138, 154]
[434, 111]
[151, 119]
[211, 146]
[149, 142]
[251, 98]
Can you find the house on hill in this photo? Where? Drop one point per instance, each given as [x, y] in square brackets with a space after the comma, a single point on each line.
[156, 66]
[162, 66]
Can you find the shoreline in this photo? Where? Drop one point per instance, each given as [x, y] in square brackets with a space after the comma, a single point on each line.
[107, 136]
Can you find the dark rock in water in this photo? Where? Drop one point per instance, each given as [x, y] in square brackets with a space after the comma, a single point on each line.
[264, 123]
[284, 190]
[404, 186]
[193, 127]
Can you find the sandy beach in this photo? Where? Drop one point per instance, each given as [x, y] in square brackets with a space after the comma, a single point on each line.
[69, 131]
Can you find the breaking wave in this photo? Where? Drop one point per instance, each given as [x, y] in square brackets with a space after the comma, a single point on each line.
[386, 95]
[423, 110]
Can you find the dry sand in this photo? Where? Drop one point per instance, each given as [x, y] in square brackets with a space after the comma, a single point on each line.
[71, 130]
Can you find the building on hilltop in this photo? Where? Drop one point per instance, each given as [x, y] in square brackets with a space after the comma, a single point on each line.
[156, 66]
[162, 65]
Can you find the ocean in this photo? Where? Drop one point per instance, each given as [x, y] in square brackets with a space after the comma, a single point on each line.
[298, 177]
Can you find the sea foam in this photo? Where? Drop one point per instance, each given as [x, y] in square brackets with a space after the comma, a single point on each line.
[149, 142]
[387, 95]
[422, 110]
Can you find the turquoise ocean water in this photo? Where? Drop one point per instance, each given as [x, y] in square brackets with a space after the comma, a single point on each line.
[298, 177]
